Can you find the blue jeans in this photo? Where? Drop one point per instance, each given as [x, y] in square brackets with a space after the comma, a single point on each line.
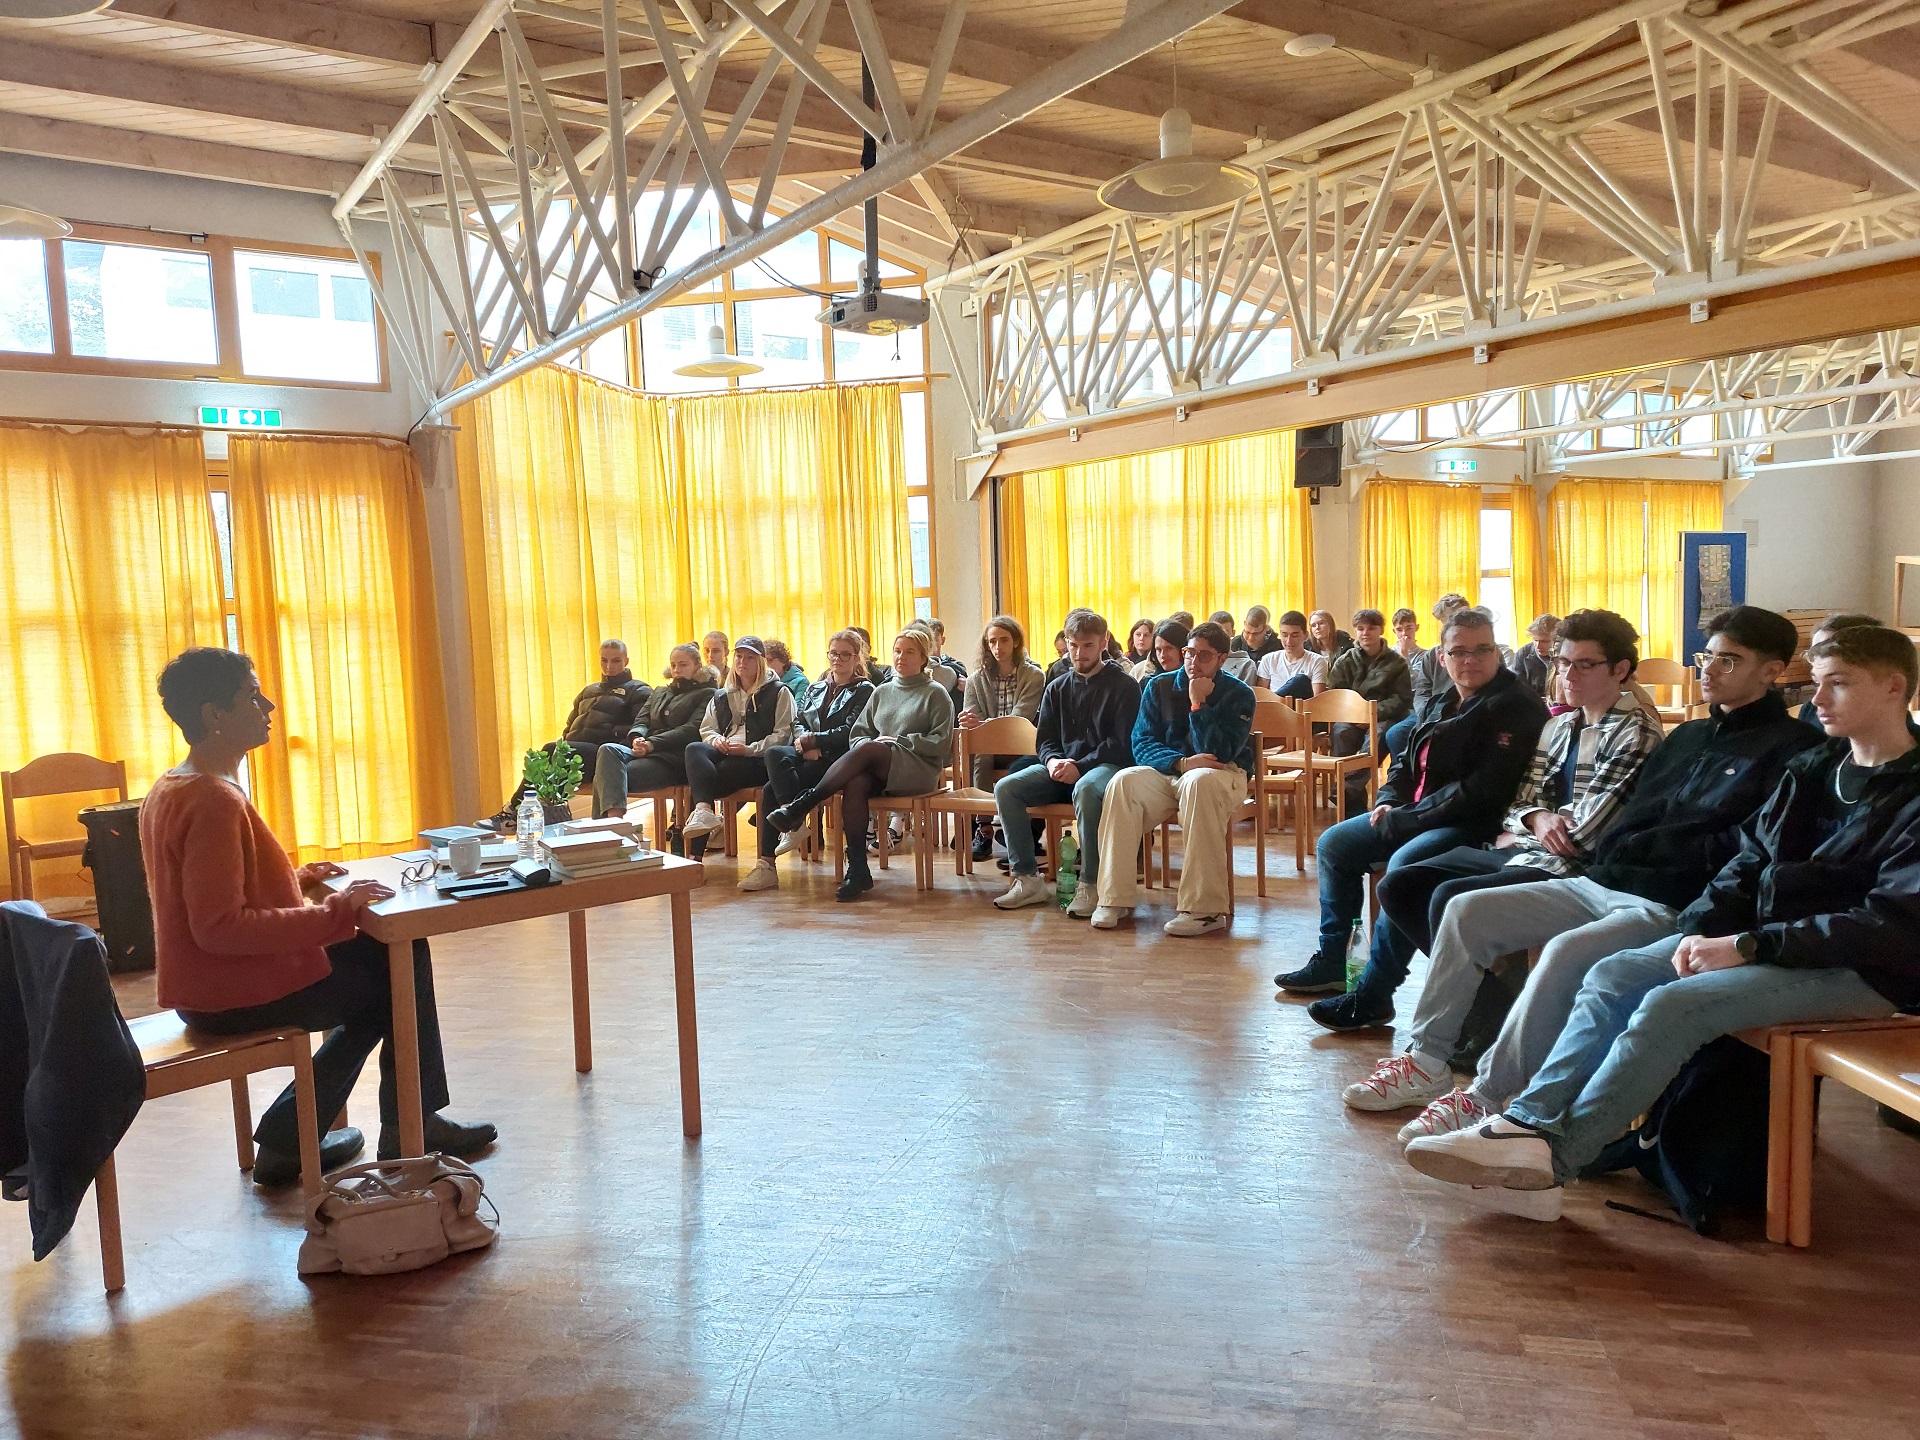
[1396, 737]
[1636, 1022]
[1031, 785]
[1348, 850]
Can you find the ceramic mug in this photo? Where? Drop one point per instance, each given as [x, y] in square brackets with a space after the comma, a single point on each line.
[464, 856]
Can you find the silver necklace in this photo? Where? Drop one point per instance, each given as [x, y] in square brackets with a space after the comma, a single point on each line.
[1840, 794]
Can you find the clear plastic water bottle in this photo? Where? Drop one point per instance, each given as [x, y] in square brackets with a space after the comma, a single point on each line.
[1067, 876]
[530, 825]
[1356, 956]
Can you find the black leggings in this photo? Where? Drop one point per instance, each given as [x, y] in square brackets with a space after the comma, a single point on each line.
[856, 777]
[788, 773]
[711, 776]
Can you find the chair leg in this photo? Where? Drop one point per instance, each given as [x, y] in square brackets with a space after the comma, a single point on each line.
[243, 1119]
[106, 1202]
[1800, 1163]
[1780, 1138]
[306, 1111]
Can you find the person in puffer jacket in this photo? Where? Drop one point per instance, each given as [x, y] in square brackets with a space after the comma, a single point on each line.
[602, 713]
[653, 756]
[752, 712]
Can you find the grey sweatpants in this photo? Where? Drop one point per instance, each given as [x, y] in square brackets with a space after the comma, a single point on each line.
[1578, 922]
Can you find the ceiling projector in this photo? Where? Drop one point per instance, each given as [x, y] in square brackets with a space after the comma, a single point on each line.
[875, 312]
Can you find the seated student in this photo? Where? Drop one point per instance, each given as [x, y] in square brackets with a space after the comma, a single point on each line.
[1139, 643]
[877, 673]
[1468, 753]
[604, 711]
[1004, 682]
[1193, 756]
[1585, 766]
[654, 755]
[1680, 826]
[750, 713]
[1406, 635]
[1813, 920]
[716, 649]
[1293, 671]
[1430, 678]
[1372, 670]
[1169, 644]
[822, 732]
[781, 666]
[1324, 637]
[237, 946]
[1238, 663]
[953, 672]
[901, 743]
[1085, 739]
[1061, 664]
[1534, 663]
[1184, 619]
[1829, 627]
[1257, 638]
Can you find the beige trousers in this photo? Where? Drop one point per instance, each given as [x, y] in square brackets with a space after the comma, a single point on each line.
[1205, 801]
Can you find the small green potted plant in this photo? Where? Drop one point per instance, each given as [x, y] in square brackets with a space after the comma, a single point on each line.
[553, 776]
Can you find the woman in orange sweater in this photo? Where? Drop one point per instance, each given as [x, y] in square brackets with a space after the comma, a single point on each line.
[238, 947]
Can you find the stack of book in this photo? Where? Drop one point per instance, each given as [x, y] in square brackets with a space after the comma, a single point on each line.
[584, 856]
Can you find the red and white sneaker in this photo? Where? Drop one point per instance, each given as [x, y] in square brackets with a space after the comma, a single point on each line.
[1455, 1110]
[1399, 1082]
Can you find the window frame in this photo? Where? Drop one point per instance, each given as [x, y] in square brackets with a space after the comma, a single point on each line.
[226, 365]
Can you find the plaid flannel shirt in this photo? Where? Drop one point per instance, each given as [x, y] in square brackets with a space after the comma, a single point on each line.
[1612, 750]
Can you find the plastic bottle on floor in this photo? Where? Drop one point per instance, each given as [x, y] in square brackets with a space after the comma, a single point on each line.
[1067, 874]
[1356, 956]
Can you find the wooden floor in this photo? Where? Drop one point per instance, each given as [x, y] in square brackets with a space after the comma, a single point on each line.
[964, 1174]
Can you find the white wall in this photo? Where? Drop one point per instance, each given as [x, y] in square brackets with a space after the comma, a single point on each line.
[1811, 534]
[1896, 526]
[960, 597]
[108, 195]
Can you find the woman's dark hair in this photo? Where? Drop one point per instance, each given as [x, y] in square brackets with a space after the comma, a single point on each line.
[1613, 633]
[1174, 633]
[1013, 628]
[204, 675]
[1134, 630]
[1758, 630]
[1292, 617]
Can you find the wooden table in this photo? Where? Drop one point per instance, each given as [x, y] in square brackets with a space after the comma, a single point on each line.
[419, 912]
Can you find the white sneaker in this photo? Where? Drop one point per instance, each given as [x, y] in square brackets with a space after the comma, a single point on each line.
[1400, 1082]
[762, 877]
[1085, 901]
[1108, 917]
[1026, 890]
[703, 821]
[1455, 1110]
[1497, 1152]
[1185, 924]
[1527, 1204]
[789, 842]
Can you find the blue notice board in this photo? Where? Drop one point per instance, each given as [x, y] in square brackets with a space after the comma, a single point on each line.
[1713, 575]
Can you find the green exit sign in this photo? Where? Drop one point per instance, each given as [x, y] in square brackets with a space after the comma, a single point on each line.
[1455, 467]
[238, 418]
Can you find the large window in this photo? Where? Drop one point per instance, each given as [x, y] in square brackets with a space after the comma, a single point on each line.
[768, 310]
[1496, 565]
[132, 302]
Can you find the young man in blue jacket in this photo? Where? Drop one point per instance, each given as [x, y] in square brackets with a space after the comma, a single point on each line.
[1084, 730]
[1193, 744]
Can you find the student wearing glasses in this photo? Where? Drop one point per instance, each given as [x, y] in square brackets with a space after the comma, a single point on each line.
[1682, 824]
[1451, 786]
[1585, 765]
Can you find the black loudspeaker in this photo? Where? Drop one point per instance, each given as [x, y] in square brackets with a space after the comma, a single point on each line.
[1316, 456]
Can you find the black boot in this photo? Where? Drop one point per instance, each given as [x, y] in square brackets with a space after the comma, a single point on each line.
[859, 878]
[792, 815]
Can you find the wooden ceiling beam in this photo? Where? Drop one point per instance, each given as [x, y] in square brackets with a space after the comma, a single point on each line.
[1391, 42]
[321, 29]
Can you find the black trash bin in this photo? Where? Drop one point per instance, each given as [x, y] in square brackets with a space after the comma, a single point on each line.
[120, 883]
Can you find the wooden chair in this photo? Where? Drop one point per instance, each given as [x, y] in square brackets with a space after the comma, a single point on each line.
[675, 797]
[178, 1059]
[1009, 735]
[1345, 707]
[730, 806]
[68, 773]
[1676, 679]
[1279, 732]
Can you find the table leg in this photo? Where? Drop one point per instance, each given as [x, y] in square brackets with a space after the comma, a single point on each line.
[683, 1005]
[406, 1048]
[582, 1016]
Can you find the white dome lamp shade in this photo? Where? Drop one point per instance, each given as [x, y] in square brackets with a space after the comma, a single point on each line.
[48, 9]
[1179, 182]
[719, 364]
[17, 222]
[1305, 47]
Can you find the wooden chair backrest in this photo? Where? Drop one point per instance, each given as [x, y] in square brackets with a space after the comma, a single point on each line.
[1279, 725]
[1341, 707]
[67, 773]
[1009, 735]
[1668, 675]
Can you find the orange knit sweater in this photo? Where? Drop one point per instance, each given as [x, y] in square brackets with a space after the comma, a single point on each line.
[231, 928]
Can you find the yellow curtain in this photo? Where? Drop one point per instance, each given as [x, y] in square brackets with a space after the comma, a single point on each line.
[1202, 528]
[1529, 558]
[1614, 545]
[1418, 541]
[335, 592]
[797, 514]
[114, 569]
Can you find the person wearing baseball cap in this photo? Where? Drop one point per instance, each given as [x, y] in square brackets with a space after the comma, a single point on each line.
[752, 712]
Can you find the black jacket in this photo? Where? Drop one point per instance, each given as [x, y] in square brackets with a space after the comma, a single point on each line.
[1089, 719]
[1533, 668]
[1267, 646]
[71, 1080]
[1472, 756]
[670, 720]
[827, 714]
[1696, 790]
[606, 710]
[1851, 901]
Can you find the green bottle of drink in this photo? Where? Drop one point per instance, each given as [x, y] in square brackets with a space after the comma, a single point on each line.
[1067, 877]
[1356, 956]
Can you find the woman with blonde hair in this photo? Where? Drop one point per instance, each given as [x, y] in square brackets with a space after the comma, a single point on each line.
[752, 711]
[901, 743]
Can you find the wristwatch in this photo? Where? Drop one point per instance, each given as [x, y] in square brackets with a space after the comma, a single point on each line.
[1748, 945]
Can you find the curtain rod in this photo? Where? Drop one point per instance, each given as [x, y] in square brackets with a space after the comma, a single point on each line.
[193, 429]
